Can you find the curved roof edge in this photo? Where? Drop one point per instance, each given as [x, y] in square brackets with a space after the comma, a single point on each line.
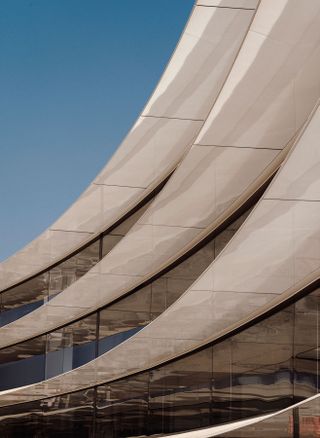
[171, 119]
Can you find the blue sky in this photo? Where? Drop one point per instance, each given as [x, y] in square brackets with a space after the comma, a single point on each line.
[74, 75]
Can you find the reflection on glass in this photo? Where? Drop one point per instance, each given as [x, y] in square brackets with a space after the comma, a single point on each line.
[249, 374]
[23, 420]
[22, 363]
[262, 369]
[71, 346]
[122, 407]
[308, 422]
[76, 343]
[260, 381]
[69, 415]
[170, 286]
[69, 271]
[24, 298]
[28, 296]
[180, 394]
[31, 294]
[222, 379]
[124, 318]
[127, 316]
[306, 346]
[300, 422]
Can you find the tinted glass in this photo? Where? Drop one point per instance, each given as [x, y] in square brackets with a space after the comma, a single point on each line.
[21, 421]
[122, 407]
[23, 363]
[70, 415]
[180, 394]
[23, 299]
[75, 344]
[256, 371]
[71, 346]
[306, 346]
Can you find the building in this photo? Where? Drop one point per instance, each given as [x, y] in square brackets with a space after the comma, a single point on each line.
[180, 292]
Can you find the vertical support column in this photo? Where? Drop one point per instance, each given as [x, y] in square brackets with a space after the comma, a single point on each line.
[100, 246]
[96, 352]
[296, 423]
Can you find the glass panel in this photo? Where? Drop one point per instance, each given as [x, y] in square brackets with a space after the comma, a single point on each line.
[71, 346]
[23, 420]
[170, 286]
[121, 320]
[15, 313]
[306, 346]
[180, 394]
[243, 376]
[122, 408]
[74, 345]
[23, 298]
[309, 419]
[300, 422]
[221, 383]
[23, 364]
[28, 296]
[69, 271]
[262, 366]
[124, 318]
[70, 415]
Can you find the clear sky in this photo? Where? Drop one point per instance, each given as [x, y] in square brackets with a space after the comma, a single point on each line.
[74, 75]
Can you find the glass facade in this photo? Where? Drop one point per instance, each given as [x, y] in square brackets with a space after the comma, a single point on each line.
[77, 343]
[264, 368]
[225, 117]
[31, 294]
[300, 422]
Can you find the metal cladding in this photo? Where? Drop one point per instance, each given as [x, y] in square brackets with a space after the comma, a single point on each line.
[180, 291]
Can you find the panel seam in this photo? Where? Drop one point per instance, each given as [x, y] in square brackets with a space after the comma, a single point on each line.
[225, 7]
[150, 116]
[118, 185]
[237, 147]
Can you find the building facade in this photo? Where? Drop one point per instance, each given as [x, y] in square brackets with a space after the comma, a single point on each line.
[180, 293]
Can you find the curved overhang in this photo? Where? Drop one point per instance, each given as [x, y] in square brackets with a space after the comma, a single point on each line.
[174, 223]
[162, 134]
[234, 289]
[236, 286]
